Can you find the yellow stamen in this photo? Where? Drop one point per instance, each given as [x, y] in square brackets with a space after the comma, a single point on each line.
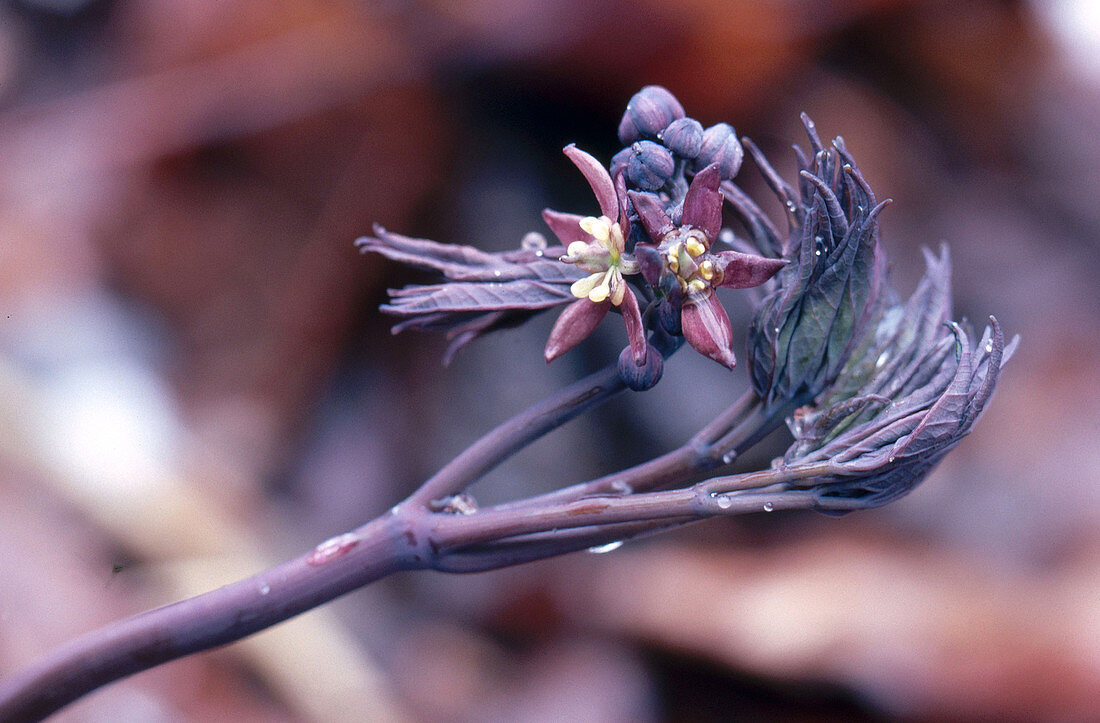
[697, 286]
[598, 228]
[695, 248]
[581, 288]
[602, 289]
[706, 269]
[673, 257]
[618, 290]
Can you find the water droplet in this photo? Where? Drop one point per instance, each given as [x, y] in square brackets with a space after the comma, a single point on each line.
[791, 207]
[332, 548]
[609, 547]
[724, 502]
[818, 239]
[989, 346]
[777, 330]
[882, 359]
[396, 509]
[460, 504]
[768, 507]
[265, 589]
[534, 241]
[621, 487]
[891, 459]
[497, 273]
[539, 253]
[817, 253]
[728, 457]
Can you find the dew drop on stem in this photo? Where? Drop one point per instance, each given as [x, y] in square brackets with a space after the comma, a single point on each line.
[332, 548]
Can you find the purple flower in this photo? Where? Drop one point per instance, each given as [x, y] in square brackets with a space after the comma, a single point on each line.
[596, 245]
[680, 263]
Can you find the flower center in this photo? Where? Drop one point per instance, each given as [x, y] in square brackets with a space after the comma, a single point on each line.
[687, 256]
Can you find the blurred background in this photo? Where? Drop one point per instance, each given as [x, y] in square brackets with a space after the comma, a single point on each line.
[195, 382]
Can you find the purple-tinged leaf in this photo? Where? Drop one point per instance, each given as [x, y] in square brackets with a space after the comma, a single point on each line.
[466, 263]
[525, 294]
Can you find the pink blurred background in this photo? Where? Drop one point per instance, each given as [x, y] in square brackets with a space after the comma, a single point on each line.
[195, 382]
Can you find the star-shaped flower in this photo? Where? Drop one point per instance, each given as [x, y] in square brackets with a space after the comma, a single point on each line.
[680, 263]
[598, 246]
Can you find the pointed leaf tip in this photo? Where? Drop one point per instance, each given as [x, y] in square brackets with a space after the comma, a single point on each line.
[598, 178]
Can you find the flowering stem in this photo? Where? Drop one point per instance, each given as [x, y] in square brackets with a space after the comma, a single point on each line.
[522, 429]
[716, 443]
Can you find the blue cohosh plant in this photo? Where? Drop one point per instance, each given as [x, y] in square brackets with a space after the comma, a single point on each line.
[874, 390]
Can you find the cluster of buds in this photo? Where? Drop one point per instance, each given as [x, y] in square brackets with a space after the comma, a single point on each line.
[662, 143]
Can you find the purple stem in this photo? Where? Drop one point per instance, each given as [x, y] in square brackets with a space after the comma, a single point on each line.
[408, 539]
[412, 537]
[222, 616]
[519, 431]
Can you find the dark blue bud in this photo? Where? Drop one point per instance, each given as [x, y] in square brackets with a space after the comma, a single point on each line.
[644, 376]
[684, 137]
[668, 316]
[720, 145]
[648, 113]
[620, 160]
[650, 166]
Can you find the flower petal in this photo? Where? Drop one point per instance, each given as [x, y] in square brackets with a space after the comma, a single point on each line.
[743, 271]
[635, 332]
[703, 202]
[707, 328]
[656, 221]
[576, 322]
[598, 178]
[566, 226]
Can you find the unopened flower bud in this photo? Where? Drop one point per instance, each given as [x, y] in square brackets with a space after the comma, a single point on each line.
[668, 316]
[650, 165]
[620, 161]
[640, 377]
[684, 137]
[720, 145]
[649, 111]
